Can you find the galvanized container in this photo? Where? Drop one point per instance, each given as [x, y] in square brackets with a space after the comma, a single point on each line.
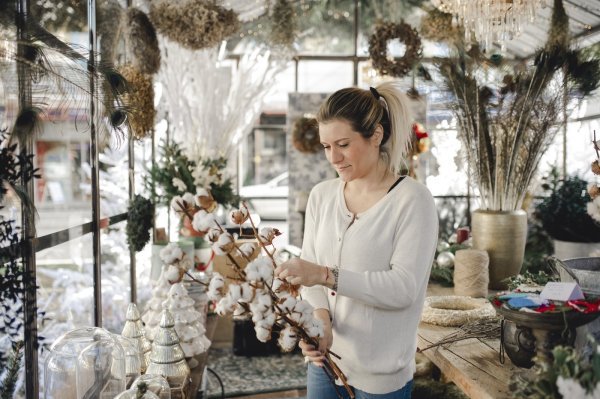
[587, 271]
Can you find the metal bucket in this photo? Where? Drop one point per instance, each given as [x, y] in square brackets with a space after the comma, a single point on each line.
[587, 271]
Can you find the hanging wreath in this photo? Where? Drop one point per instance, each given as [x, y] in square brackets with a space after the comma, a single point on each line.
[379, 54]
[194, 24]
[305, 135]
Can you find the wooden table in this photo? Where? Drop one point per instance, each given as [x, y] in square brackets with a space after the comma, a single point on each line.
[473, 365]
[198, 371]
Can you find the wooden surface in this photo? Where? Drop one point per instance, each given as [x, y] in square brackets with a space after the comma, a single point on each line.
[473, 365]
[196, 374]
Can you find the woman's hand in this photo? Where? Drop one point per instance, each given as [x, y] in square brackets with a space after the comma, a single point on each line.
[317, 355]
[298, 271]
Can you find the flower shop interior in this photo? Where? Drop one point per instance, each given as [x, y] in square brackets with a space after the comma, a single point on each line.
[156, 161]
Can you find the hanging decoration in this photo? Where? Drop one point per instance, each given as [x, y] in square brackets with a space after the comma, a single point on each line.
[140, 100]
[284, 24]
[378, 50]
[437, 26]
[491, 20]
[195, 24]
[140, 215]
[141, 41]
[305, 135]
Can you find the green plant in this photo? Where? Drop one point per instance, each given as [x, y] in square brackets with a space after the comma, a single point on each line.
[140, 217]
[175, 174]
[553, 379]
[7, 387]
[563, 213]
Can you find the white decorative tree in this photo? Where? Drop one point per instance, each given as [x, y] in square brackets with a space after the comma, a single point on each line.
[188, 321]
[151, 317]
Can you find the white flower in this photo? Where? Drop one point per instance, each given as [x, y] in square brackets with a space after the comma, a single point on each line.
[572, 389]
[179, 184]
[171, 253]
[288, 339]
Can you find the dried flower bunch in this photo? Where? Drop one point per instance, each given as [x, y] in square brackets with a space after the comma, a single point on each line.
[253, 291]
[142, 44]
[437, 26]
[140, 101]
[176, 174]
[195, 24]
[379, 53]
[305, 135]
[283, 28]
[506, 124]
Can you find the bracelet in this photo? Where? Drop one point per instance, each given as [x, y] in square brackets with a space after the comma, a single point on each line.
[335, 271]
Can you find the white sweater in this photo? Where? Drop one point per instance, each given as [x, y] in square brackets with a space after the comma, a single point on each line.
[385, 256]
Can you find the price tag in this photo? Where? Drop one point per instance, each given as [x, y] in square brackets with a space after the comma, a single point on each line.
[560, 291]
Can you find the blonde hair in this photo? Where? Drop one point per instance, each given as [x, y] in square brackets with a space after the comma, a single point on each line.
[364, 111]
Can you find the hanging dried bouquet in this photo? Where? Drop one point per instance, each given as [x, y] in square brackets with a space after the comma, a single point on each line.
[195, 24]
[140, 101]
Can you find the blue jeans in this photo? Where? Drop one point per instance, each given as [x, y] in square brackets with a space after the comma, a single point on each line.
[319, 386]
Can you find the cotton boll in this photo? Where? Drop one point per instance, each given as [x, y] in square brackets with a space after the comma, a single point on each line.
[177, 203]
[238, 311]
[213, 234]
[247, 292]
[277, 285]
[224, 306]
[262, 334]
[264, 299]
[185, 264]
[224, 244]
[172, 274]
[238, 216]
[171, 253]
[215, 287]
[235, 292]
[188, 198]
[315, 328]
[247, 248]
[287, 304]
[288, 339]
[202, 192]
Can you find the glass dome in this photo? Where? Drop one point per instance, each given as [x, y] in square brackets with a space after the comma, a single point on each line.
[156, 383]
[85, 363]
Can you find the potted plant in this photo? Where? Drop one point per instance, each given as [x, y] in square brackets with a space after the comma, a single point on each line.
[507, 116]
[564, 216]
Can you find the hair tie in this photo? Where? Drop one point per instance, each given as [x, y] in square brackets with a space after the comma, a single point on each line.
[375, 93]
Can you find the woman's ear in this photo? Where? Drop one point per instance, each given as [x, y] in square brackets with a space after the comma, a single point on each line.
[377, 136]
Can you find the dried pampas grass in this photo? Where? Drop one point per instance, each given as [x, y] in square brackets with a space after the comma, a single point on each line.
[142, 44]
[140, 100]
[195, 24]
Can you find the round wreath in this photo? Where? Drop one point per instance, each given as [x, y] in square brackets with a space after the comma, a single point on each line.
[379, 53]
[305, 135]
[454, 310]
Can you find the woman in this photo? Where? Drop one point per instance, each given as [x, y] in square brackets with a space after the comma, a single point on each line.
[369, 242]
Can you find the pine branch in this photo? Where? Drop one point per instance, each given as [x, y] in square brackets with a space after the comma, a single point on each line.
[7, 388]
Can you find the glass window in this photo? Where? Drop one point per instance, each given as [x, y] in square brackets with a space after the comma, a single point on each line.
[324, 76]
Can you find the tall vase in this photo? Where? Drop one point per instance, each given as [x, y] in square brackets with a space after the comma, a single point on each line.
[503, 235]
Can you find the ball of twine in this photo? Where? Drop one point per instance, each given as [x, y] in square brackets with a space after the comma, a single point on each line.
[140, 101]
[142, 43]
[471, 274]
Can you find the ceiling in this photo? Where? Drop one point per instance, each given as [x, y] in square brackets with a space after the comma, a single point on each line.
[584, 26]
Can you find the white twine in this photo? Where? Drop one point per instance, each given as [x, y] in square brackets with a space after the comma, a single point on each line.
[471, 274]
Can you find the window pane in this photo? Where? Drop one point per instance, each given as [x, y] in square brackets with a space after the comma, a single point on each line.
[328, 29]
[324, 76]
[284, 83]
